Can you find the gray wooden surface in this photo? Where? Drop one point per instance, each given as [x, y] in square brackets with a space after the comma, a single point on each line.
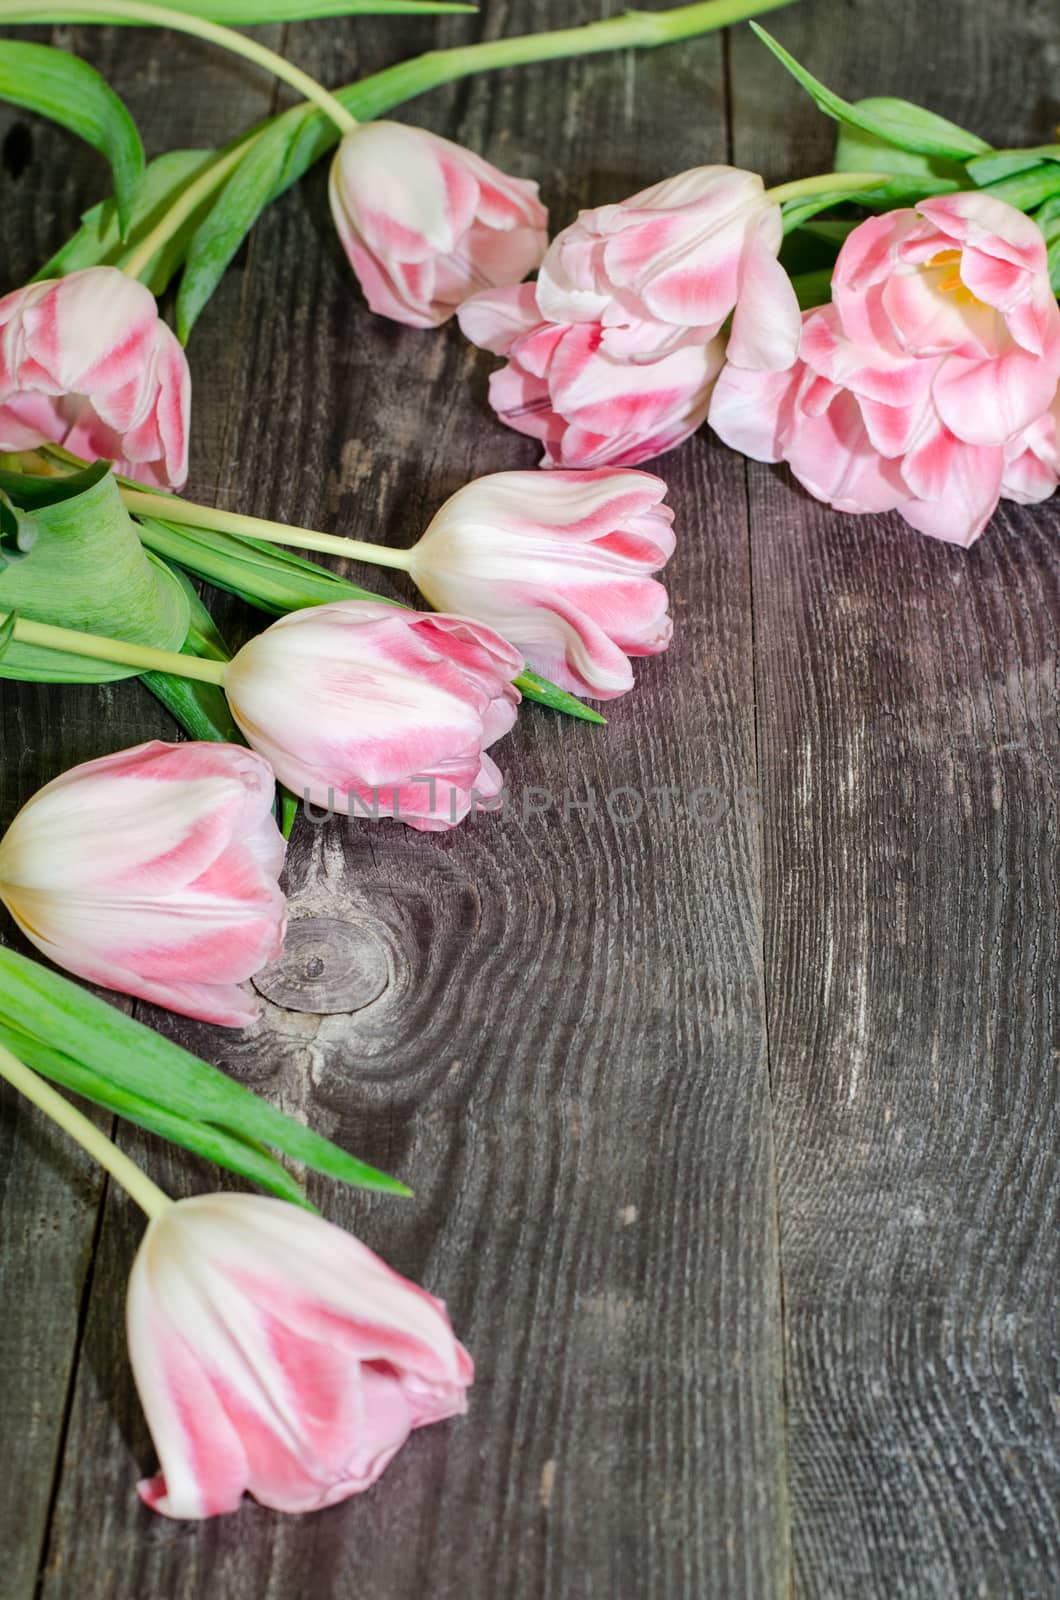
[733, 1134]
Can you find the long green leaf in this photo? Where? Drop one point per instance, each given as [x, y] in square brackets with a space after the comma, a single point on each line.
[136, 1059]
[234, 212]
[896, 122]
[214, 1144]
[66, 89]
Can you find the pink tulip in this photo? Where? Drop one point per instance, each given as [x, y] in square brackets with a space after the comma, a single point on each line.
[365, 707]
[276, 1356]
[1032, 460]
[613, 353]
[561, 564]
[154, 871]
[86, 362]
[425, 222]
[925, 386]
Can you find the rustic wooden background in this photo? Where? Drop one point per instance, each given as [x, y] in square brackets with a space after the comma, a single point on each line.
[733, 1135]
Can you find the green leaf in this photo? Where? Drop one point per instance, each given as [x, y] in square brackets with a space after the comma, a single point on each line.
[133, 1059]
[214, 1144]
[230, 218]
[1048, 219]
[557, 699]
[86, 570]
[1027, 189]
[913, 176]
[66, 89]
[18, 532]
[265, 575]
[98, 241]
[813, 288]
[1006, 163]
[7, 631]
[896, 122]
[796, 213]
[201, 708]
[289, 804]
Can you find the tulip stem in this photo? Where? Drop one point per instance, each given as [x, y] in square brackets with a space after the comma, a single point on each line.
[172, 509]
[161, 16]
[182, 208]
[148, 1196]
[145, 658]
[635, 30]
[836, 183]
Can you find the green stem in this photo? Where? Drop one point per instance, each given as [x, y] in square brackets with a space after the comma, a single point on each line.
[162, 17]
[145, 658]
[181, 209]
[637, 30]
[148, 1196]
[172, 509]
[825, 183]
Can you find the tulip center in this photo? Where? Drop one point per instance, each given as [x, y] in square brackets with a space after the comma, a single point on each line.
[950, 282]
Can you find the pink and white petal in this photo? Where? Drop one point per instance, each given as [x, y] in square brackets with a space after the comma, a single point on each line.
[832, 456]
[874, 371]
[494, 319]
[927, 320]
[524, 403]
[1035, 324]
[988, 402]
[750, 410]
[868, 253]
[989, 225]
[91, 329]
[954, 486]
[1028, 479]
[767, 322]
[203, 1465]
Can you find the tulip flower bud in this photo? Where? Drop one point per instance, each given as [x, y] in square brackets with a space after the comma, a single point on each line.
[86, 362]
[612, 354]
[154, 871]
[560, 564]
[275, 1355]
[425, 222]
[368, 708]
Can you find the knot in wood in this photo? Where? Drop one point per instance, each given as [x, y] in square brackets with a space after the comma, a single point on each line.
[326, 966]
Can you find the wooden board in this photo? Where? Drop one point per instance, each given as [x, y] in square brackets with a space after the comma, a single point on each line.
[907, 737]
[557, 1026]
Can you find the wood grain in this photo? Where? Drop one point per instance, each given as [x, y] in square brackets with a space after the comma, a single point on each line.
[566, 1052]
[556, 1025]
[907, 737]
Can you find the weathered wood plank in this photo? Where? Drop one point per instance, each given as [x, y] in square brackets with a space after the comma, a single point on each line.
[907, 718]
[49, 1195]
[567, 1052]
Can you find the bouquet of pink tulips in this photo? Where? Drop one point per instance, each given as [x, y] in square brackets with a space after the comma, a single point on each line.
[901, 353]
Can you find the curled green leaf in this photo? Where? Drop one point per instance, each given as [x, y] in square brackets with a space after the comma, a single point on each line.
[62, 87]
[896, 122]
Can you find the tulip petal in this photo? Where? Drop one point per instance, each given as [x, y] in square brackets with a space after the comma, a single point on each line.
[766, 323]
[86, 362]
[274, 1354]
